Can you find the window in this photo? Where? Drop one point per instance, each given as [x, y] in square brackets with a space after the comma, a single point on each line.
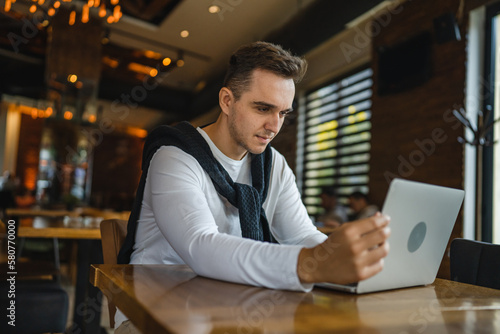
[490, 229]
[336, 138]
[482, 162]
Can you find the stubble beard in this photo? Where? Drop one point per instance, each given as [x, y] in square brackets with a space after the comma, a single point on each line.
[237, 137]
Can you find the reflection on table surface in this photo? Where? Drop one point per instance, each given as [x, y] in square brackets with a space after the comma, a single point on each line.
[161, 299]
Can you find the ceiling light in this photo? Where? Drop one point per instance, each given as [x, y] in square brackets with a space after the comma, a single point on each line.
[151, 54]
[72, 17]
[48, 112]
[111, 62]
[34, 113]
[86, 9]
[139, 68]
[214, 9]
[8, 5]
[85, 13]
[102, 10]
[184, 33]
[68, 115]
[166, 61]
[180, 58]
[117, 14]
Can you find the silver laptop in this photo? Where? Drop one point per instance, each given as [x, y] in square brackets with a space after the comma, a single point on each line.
[422, 219]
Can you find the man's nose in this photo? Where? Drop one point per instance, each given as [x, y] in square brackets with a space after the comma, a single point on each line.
[273, 123]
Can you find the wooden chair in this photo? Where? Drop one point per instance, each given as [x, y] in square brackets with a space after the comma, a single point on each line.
[475, 262]
[113, 232]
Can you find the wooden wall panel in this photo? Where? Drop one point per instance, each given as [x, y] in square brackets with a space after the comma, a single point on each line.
[116, 171]
[30, 136]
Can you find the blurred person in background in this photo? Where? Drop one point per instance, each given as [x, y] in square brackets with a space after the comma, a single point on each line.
[335, 214]
[361, 206]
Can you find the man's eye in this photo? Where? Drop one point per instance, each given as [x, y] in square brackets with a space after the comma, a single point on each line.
[285, 113]
[263, 109]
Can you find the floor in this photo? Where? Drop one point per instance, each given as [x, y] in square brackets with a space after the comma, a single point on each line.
[70, 289]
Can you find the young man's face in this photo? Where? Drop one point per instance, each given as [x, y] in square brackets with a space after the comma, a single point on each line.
[256, 118]
[328, 202]
[357, 204]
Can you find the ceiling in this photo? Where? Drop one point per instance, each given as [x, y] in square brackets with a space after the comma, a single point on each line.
[155, 25]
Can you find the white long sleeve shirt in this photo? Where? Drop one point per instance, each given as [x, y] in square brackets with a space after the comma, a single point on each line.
[184, 220]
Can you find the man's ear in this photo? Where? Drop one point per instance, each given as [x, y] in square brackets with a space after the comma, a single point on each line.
[226, 99]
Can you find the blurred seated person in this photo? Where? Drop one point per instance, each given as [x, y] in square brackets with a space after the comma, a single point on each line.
[361, 207]
[7, 190]
[334, 214]
[8, 182]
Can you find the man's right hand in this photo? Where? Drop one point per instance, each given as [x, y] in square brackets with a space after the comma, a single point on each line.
[353, 252]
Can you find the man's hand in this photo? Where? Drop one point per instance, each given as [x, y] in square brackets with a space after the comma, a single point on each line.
[329, 222]
[354, 252]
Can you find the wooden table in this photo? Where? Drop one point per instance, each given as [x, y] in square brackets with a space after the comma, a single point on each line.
[78, 212]
[61, 228]
[33, 212]
[172, 299]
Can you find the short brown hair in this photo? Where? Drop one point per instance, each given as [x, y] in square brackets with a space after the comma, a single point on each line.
[264, 56]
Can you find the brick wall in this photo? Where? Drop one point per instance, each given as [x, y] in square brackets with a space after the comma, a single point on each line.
[414, 136]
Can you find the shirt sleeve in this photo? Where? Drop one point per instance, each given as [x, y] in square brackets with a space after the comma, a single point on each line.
[291, 222]
[184, 218]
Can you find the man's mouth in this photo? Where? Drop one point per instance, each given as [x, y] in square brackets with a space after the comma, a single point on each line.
[265, 139]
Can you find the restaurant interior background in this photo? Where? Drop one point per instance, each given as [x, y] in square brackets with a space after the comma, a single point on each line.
[82, 83]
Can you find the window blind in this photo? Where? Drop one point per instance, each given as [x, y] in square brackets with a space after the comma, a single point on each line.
[336, 145]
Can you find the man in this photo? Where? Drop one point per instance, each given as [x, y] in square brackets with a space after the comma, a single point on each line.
[209, 191]
[334, 214]
[361, 206]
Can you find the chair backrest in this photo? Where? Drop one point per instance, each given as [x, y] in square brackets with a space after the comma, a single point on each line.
[475, 262]
[3, 228]
[113, 232]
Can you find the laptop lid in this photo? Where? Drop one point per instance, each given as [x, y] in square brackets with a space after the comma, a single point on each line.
[422, 219]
